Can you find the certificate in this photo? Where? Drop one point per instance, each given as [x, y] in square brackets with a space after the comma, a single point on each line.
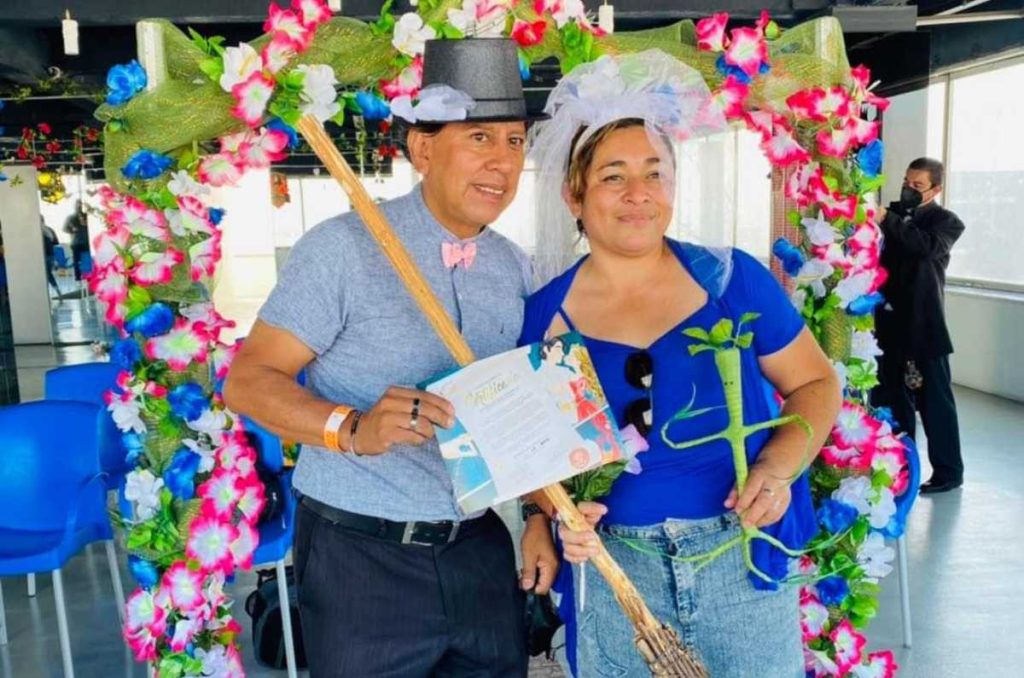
[524, 419]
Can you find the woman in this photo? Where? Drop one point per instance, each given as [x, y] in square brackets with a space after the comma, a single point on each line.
[630, 299]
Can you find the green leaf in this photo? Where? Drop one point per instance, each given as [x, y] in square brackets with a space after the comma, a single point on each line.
[140, 536]
[694, 349]
[880, 479]
[450, 32]
[860, 529]
[697, 333]
[217, 44]
[721, 332]
[198, 40]
[745, 340]
[213, 67]
[749, 316]
[339, 117]
[794, 218]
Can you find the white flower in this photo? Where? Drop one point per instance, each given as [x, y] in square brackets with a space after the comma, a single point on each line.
[819, 231]
[215, 661]
[142, 488]
[853, 287]
[481, 18]
[411, 34]
[436, 103]
[864, 346]
[205, 452]
[813, 273]
[883, 508]
[798, 298]
[239, 63]
[567, 10]
[182, 183]
[856, 492]
[319, 98]
[875, 557]
[125, 411]
[209, 422]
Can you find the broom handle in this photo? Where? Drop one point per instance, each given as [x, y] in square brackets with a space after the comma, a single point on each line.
[407, 270]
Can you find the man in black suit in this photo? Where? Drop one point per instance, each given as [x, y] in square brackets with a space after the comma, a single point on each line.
[914, 372]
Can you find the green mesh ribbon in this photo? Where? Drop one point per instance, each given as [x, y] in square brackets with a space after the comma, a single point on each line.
[187, 107]
[837, 336]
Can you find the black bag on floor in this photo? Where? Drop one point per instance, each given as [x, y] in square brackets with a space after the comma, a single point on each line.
[264, 607]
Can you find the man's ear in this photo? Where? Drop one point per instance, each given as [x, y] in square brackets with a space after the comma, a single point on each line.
[575, 208]
[420, 146]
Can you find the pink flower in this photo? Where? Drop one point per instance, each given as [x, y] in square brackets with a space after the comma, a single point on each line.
[116, 312]
[219, 169]
[109, 198]
[747, 50]
[711, 32]
[108, 246]
[836, 142]
[854, 427]
[251, 98]
[761, 121]
[278, 52]
[109, 284]
[156, 268]
[849, 646]
[142, 643]
[140, 220]
[185, 629]
[730, 97]
[268, 147]
[184, 344]
[230, 143]
[862, 92]
[839, 456]
[798, 184]
[221, 493]
[782, 149]
[866, 236]
[813, 615]
[252, 500]
[285, 22]
[407, 83]
[528, 34]
[312, 13]
[879, 665]
[833, 203]
[222, 356]
[863, 131]
[820, 105]
[819, 663]
[190, 218]
[243, 548]
[203, 257]
[209, 543]
[184, 586]
[142, 611]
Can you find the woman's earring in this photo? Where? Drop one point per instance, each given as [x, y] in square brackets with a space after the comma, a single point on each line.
[580, 228]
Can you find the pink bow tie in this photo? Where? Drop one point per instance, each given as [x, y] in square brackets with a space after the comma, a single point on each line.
[452, 253]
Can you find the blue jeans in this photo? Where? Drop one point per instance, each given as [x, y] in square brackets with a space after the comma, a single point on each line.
[735, 630]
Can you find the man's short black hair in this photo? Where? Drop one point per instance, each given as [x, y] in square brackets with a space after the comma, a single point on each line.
[935, 169]
[400, 130]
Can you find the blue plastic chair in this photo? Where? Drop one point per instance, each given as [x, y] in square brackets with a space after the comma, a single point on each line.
[88, 383]
[52, 495]
[276, 536]
[60, 257]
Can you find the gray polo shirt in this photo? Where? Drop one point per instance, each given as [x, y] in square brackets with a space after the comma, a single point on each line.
[339, 295]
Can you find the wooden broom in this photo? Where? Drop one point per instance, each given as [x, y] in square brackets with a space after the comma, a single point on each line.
[658, 643]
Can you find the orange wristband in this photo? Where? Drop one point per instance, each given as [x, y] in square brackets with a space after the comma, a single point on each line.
[333, 426]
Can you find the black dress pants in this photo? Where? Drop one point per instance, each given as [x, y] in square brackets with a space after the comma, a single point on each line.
[934, 400]
[373, 608]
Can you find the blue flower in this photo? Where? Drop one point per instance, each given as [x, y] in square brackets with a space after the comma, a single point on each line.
[188, 401]
[373, 107]
[791, 257]
[836, 516]
[154, 320]
[279, 124]
[869, 158]
[146, 164]
[134, 447]
[833, 590]
[144, 571]
[524, 67]
[865, 303]
[124, 82]
[885, 414]
[179, 477]
[727, 69]
[216, 214]
[126, 353]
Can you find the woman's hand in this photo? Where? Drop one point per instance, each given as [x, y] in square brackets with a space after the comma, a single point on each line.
[401, 416]
[579, 547]
[764, 499]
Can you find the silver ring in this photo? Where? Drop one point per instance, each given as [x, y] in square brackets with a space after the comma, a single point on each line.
[415, 418]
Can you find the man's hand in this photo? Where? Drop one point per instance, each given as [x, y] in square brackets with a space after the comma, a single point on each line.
[540, 562]
[401, 416]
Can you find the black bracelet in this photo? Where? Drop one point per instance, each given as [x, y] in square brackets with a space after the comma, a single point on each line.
[531, 509]
[356, 416]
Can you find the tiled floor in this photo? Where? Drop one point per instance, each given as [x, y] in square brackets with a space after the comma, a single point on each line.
[965, 554]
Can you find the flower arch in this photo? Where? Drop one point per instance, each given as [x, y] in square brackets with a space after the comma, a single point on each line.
[221, 110]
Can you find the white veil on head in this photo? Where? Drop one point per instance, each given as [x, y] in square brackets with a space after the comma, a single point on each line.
[670, 97]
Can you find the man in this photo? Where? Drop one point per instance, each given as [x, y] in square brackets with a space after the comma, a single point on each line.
[77, 227]
[50, 245]
[914, 372]
[392, 579]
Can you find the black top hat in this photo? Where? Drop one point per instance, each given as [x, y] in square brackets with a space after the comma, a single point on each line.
[487, 69]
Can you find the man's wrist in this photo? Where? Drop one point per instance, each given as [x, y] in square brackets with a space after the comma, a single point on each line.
[531, 511]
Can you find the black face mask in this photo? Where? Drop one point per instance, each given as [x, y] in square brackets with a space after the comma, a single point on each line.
[910, 198]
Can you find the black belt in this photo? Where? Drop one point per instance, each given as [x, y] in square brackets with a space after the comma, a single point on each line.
[420, 533]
